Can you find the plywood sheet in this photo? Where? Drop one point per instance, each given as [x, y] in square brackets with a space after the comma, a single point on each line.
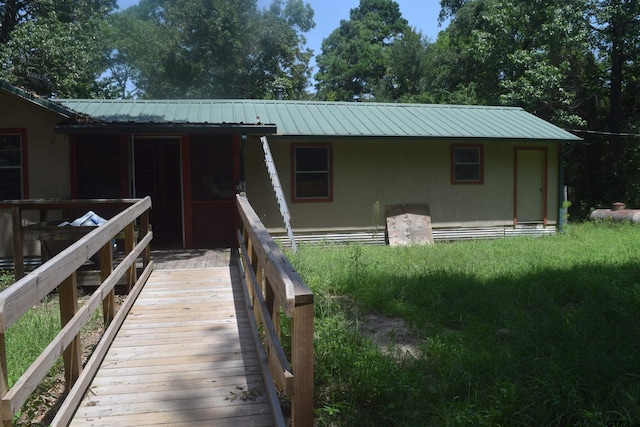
[409, 224]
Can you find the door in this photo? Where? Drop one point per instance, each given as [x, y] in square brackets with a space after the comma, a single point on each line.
[214, 175]
[157, 174]
[531, 186]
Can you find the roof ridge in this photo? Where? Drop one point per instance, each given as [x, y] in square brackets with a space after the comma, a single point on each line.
[292, 101]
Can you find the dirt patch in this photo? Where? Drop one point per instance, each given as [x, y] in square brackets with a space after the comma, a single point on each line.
[391, 334]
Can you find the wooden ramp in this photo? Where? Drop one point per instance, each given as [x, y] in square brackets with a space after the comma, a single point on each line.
[184, 356]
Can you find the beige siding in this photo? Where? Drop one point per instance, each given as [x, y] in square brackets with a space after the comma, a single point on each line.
[47, 154]
[392, 172]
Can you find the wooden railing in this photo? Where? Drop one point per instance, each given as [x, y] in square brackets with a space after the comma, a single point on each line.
[60, 273]
[274, 287]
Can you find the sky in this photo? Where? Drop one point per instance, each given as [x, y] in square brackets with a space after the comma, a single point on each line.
[421, 14]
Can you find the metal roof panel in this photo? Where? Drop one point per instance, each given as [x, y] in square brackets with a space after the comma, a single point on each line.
[333, 119]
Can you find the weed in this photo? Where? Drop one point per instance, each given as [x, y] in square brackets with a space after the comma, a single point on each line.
[518, 331]
[6, 279]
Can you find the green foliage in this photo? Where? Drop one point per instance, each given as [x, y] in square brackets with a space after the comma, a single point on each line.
[6, 279]
[213, 48]
[524, 334]
[53, 47]
[356, 56]
[26, 339]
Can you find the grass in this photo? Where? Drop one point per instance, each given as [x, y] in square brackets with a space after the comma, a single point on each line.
[513, 332]
[26, 339]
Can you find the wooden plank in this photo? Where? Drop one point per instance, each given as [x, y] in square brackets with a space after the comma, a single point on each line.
[25, 385]
[28, 291]
[129, 243]
[302, 364]
[177, 365]
[106, 268]
[18, 259]
[74, 396]
[72, 355]
[193, 421]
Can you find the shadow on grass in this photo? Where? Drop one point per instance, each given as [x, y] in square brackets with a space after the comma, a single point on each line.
[551, 347]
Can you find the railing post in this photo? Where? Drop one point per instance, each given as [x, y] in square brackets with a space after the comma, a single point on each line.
[68, 296]
[18, 259]
[129, 243]
[106, 267]
[274, 310]
[144, 229]
[302, 365]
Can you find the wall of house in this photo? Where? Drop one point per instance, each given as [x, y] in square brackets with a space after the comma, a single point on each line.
[394, 171]
[47, 159]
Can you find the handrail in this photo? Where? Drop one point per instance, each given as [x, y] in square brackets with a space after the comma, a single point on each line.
[274, 286]
[60, 273]
[43, 206]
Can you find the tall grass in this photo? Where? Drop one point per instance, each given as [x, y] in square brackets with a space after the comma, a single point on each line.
[518, 331]
[26, 339]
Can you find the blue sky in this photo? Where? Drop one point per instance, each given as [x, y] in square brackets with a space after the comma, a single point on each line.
[421, 14]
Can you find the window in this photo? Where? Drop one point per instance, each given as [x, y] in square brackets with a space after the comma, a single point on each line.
[11, 165]
[467, 164]
[311, 172]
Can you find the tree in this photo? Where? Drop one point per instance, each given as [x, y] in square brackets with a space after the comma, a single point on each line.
[53, 47]
[355, 56]
[213, 48]
[524, 53]
[404, 77]
[572, 62]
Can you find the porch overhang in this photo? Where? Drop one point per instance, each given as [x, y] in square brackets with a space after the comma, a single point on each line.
[165, 128]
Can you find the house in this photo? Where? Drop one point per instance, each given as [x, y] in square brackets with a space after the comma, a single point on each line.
[339, 164]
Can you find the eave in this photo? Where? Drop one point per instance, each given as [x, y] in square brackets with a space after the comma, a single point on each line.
[165, 128]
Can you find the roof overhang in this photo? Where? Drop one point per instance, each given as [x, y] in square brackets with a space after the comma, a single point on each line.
[165, 128]
[36, 100]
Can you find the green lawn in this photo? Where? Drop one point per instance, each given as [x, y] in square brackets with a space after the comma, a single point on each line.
[26, 339]
[512, 332]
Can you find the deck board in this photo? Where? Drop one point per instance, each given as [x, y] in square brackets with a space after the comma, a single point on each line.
[184, 355]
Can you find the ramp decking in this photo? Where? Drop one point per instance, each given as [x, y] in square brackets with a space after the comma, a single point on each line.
[184, 355]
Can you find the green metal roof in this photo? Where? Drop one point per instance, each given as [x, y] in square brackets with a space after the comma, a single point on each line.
[335, 119]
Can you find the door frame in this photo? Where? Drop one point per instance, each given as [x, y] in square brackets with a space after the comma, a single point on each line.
[545, 189]
[187, 200]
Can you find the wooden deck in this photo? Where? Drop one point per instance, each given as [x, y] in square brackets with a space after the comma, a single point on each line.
[184, 355]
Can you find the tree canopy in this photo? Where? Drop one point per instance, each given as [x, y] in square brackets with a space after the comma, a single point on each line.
[355, 56]
[212, 48]
[54, 47]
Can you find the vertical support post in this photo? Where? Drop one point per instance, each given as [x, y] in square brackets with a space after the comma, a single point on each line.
[247, 274]
[258, 272]
[18, 259]
[302, 364]
[274, 309]
[144, 229]
[106, 267]
[128, 247]
[4, 379]
[68, 295]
